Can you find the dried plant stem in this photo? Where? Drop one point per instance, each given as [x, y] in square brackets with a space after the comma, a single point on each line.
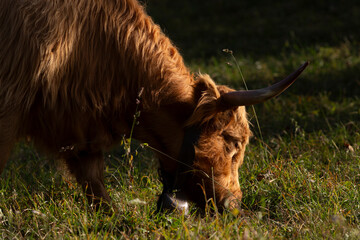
[252, 106]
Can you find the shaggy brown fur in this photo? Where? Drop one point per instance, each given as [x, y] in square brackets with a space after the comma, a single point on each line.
[70, 72]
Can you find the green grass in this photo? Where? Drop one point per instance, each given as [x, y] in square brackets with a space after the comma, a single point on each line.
[301, 181]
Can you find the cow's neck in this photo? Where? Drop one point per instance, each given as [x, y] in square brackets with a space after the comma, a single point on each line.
[163, 129]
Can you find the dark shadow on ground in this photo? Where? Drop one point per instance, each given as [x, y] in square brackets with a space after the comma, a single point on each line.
[201, 29]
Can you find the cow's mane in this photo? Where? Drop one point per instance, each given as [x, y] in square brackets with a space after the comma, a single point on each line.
[86, 55]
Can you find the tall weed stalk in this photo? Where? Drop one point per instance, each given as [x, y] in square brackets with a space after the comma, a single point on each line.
[128, 155]
[230, 52]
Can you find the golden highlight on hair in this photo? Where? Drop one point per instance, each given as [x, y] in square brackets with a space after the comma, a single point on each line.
[87, 53]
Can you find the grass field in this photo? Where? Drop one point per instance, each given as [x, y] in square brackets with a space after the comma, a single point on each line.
[301, 173]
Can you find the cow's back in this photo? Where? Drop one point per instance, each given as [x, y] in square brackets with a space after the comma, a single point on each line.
[65, 61]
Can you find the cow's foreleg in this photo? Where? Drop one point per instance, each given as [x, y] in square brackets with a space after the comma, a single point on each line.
[88, 169]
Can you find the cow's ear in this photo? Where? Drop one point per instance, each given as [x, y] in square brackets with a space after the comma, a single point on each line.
[204, 85]
[206, 95]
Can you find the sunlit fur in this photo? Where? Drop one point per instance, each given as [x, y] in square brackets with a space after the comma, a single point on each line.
[85, 57]
[70, 73]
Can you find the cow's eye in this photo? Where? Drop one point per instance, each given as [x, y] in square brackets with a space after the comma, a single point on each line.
[236, 144]
[227, 138]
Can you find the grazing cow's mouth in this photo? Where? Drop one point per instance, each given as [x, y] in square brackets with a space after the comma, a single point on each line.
[179, 202]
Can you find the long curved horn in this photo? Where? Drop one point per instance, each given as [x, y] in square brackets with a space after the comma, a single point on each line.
[251, 97]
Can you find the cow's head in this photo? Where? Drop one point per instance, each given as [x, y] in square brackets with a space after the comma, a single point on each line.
[214, 142]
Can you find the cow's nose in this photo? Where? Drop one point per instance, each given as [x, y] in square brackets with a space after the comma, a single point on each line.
[231, 203]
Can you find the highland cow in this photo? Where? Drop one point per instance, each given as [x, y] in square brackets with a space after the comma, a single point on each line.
[70, 74]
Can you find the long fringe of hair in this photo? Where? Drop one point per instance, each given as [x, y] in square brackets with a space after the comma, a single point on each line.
[86, 55]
